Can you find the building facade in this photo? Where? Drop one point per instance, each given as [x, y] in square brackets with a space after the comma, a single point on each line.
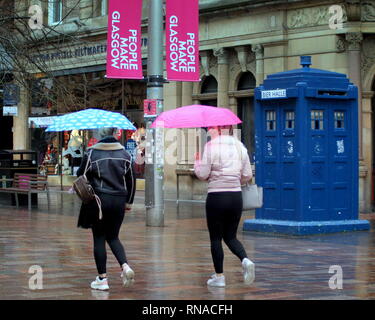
[241, 42]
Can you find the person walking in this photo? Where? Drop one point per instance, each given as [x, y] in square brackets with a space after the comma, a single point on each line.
[226, 165]
[110, 172]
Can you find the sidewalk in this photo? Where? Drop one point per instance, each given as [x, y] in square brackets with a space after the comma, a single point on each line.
[174, 262]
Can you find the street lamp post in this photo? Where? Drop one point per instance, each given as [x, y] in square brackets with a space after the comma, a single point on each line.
[154, 167]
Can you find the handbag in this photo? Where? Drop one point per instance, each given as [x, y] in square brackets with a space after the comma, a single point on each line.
[84, 189]
[252, 196]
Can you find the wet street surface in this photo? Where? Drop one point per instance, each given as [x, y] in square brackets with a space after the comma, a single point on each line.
[174, 262]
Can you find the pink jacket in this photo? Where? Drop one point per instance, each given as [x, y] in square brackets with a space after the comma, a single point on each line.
[225, 164]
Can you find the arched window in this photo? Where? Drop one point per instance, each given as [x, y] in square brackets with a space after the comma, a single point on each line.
[247, 81]
[209, 85]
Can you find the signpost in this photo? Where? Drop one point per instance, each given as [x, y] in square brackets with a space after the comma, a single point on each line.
[154, 161]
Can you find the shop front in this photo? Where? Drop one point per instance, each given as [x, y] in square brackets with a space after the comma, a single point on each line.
[61, 153]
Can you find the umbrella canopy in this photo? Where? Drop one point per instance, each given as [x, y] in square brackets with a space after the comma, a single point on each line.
[91, 119]
[196, 116]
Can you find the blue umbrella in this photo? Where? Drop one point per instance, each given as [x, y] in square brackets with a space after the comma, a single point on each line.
[91, 119]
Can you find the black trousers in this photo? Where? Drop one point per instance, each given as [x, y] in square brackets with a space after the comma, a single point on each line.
[223, 213]
[107, 230]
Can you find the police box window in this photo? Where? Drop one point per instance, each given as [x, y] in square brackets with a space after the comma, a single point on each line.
[271, 120]
[289, 120]
[339, 117]
[317, 118]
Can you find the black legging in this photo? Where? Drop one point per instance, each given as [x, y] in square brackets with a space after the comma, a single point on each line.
[223, 212]
[107, 229]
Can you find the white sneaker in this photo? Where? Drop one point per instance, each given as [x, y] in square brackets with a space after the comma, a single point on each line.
[127, 276]
[216, 281]
[248, 271]
[100, 284]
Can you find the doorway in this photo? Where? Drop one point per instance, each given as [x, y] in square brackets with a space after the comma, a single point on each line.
[6, 125]
[245, 111]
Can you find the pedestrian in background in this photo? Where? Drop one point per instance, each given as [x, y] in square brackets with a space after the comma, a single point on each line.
[226, 165]
[110, 172]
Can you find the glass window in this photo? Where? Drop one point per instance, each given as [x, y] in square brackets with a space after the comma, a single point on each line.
[247, 81]
[100, 8]
[317, 119]
[339, 120]
[289, 120]
[271, 120]
[55, 11]
[209, 85]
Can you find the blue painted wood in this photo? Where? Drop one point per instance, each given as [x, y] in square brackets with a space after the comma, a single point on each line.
[306, 139]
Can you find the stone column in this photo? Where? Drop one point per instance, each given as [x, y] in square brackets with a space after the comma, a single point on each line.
[354, 40]
[21, 132]
[172, 100]
[259, 55]
[366, 169]
[223, 77]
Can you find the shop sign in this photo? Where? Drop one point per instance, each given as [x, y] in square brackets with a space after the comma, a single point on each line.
[11, 94]
[40, 122]
[10, 111]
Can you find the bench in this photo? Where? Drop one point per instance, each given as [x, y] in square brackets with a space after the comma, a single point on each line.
[26, 183]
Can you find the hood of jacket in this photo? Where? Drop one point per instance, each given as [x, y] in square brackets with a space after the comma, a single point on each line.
[107, 144]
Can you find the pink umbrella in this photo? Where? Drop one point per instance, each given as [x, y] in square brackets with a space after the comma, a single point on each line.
[195, 116]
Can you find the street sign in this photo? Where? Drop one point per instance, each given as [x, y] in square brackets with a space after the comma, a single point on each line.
[149, 107]
[10, 110]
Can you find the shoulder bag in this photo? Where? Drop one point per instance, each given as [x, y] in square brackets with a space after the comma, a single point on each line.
[252, 196]
[84, 189]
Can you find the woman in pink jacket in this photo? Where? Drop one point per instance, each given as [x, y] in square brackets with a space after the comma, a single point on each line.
[226, 165]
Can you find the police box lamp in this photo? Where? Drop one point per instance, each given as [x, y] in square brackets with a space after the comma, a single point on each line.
[306, 155]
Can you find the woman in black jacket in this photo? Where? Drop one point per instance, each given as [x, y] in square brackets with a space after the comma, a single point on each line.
[110, 172]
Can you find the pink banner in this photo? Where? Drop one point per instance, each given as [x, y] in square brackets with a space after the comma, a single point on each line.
[124, 56]
[182, 40]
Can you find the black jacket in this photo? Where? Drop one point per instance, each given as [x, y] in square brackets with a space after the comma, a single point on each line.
[110, 169]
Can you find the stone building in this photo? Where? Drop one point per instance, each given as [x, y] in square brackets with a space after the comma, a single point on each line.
[241, 42]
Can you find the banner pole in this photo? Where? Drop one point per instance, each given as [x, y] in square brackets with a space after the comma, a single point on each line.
[154, 166]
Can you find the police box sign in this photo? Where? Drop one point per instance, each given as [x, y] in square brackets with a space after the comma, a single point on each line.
[269, 94]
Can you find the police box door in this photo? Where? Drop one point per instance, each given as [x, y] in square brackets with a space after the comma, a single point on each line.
[333, 184]
[278, 172]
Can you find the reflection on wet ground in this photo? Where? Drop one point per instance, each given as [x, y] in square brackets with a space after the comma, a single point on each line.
[174, 262]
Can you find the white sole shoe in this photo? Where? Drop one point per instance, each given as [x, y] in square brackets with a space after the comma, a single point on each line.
[216, 281]
[99, 285]
[127, 277]
[248, 271]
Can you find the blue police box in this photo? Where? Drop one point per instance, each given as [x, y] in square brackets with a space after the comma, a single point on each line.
[306, 136]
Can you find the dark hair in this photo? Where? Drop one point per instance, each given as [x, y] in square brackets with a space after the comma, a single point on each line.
[228, 127]
[105, 132]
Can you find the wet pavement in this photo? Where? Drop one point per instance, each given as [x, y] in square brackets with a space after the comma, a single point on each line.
[174, 262]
